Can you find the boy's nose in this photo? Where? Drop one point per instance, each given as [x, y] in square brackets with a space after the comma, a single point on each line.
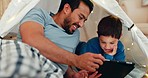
[107, 46]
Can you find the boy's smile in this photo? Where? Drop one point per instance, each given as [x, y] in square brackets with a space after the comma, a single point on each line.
[108, 43]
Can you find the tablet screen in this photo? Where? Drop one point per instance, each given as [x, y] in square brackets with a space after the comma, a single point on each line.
[115, 69]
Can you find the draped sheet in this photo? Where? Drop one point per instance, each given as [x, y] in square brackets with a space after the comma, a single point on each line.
[136, 44]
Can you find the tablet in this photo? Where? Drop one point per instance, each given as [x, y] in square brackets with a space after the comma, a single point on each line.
[115, 69]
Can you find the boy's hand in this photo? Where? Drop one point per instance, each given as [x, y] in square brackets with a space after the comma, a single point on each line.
[114, 50]
[85, 74]
[94, 75]
[80, 74]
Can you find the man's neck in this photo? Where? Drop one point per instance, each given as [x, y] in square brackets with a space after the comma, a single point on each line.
[59, 19]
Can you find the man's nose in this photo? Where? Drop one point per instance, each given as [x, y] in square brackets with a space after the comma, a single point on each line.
[81, 23]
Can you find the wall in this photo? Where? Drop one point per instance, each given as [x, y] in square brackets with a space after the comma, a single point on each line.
[3, 6]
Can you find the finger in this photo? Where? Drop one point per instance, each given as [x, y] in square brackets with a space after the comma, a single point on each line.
[98, 56]
[98, 75]
[115, 48]
[90, 68]
[94, 64]
[97, 61]
[84, 75]
[84, 72]
[94, 74]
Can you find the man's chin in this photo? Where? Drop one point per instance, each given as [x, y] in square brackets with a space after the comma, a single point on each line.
[70, 32]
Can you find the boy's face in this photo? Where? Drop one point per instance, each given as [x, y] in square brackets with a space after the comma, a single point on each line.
[108, 43]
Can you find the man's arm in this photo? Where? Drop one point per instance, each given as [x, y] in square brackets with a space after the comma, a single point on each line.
[33, 34]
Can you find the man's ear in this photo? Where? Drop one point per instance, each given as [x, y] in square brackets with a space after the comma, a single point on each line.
[67, 9]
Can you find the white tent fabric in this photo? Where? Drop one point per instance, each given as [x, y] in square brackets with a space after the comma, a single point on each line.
[138, 37]
[113, 8]
[14, 13]
[136, 44]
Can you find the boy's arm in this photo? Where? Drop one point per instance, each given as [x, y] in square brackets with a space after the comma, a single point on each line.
[120, 55]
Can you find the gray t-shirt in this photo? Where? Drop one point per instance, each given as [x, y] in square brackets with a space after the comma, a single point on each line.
[53, 31]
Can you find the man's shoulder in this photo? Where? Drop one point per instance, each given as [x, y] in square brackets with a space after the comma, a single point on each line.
[38, 10]
[38, 15]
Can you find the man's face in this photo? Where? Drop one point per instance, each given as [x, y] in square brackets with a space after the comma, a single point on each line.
[76, 18]
[107, 43]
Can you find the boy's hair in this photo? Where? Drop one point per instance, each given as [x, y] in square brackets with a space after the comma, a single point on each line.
[75, 4]
[110, 26]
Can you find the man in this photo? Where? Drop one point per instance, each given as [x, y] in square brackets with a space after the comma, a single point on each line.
[55, 38]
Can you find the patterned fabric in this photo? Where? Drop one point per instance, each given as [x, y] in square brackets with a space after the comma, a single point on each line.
[19, 60]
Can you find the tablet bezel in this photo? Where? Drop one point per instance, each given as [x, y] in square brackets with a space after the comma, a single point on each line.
[115, 69]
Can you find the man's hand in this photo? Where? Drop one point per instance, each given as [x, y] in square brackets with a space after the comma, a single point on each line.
[89, 61]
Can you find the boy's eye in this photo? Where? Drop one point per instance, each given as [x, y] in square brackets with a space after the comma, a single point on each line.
[103, 42]
[112, 43]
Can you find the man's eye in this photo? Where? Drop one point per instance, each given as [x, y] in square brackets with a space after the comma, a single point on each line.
[80, 17]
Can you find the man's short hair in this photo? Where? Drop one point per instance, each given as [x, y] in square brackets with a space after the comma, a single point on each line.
[75, 4]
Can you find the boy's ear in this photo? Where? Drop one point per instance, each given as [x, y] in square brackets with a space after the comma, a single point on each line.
[97, 32]
[120, 35]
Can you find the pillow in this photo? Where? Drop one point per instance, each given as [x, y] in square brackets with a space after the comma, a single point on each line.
[144, 2]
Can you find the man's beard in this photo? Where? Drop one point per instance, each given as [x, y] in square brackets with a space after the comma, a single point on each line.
[67, 26]
[67, 29]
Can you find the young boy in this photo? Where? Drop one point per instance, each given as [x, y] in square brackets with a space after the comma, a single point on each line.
[107, 43]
